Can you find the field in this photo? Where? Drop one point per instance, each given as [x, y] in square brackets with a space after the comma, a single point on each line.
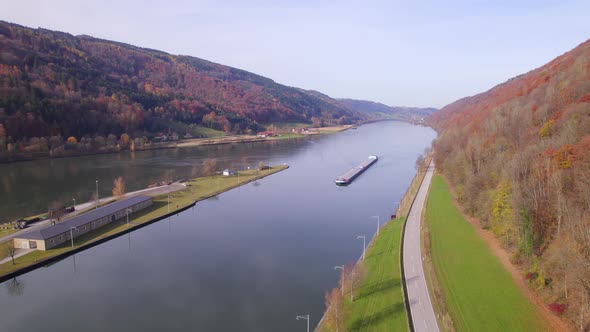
[378, 298]
[379, 302]
[479, 293]
[208, 132]
[197, 189]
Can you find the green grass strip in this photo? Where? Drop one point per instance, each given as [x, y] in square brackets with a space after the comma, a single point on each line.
[379, 301]
[479, 293]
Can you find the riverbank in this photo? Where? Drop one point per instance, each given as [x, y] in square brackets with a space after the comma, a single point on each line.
[234, 139]
[8, 233]
[405, 204]
[164, 205]
[380, 302]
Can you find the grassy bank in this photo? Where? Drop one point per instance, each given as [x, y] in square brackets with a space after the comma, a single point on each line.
[378, 297]
[405, 203]
[379, 301]
[478, 292]
[196, 190]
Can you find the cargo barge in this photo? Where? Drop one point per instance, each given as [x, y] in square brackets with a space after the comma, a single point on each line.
[349, 176]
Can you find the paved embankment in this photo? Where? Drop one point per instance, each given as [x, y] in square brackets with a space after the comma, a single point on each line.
[186, 199]
[421, 311]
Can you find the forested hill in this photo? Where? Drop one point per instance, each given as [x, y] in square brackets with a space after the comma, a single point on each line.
[381, 111]
[519, 158]
[53, 83]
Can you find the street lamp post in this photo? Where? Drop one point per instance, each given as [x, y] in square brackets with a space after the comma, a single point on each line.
[72, 234]
[97, 198]
[364, 238]
[168, 202]
[306, 317]
[341, 267]
[73, 199]
[378, 223]
[128, 210]
[351, 284]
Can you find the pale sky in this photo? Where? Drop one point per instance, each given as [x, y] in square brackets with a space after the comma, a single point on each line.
[404, 53]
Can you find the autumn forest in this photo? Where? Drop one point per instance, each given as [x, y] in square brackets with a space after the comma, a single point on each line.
[55, 87]
[518, 157]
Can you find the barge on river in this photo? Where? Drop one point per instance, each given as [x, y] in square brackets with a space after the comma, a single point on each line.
[351, 174]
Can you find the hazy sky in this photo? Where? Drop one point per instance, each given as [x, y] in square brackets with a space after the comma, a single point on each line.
[411, 53]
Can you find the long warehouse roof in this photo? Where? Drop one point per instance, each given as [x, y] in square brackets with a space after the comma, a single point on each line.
[83, 219]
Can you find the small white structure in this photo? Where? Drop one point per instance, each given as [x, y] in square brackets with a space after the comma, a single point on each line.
[228, 172]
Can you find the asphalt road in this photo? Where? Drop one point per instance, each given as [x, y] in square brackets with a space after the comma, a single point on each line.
[421, 311]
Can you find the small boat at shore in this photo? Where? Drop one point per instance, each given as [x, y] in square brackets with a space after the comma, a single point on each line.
[354, 172]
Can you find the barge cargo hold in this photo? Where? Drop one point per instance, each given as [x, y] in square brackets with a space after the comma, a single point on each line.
[349, 176]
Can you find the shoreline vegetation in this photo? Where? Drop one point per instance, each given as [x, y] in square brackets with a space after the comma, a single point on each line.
[164, 206]
[377, 283]
[86, 147]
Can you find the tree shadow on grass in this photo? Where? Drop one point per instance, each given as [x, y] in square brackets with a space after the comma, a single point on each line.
[377, 287]
[367, 322]
[375, 255]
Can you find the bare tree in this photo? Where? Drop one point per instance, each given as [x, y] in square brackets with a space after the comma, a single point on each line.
[11, 250]
[261, 165]
[195, 171]
[244, 162]
[347, 276]
[334, 316]
[15, 287]
[209, 166]
[419, 162]
[118, 187]
[56, 210]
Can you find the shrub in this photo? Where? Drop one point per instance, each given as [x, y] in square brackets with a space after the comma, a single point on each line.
[557, 308]
[544, 131]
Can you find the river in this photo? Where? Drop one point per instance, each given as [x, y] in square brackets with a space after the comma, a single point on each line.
[251, 259]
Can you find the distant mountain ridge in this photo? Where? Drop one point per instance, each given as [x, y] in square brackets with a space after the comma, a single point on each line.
[378, 110]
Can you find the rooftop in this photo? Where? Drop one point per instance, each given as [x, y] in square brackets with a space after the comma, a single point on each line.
[83, 219]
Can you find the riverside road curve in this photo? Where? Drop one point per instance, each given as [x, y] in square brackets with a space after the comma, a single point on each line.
[421, 311]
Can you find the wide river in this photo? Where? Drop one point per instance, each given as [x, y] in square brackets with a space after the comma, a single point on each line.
[251, 259]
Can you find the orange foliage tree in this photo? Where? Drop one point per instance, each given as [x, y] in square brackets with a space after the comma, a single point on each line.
[71, 140]
[125, 140]
[118, 187]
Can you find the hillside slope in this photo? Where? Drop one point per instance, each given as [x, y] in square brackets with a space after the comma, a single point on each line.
[519, 158]
[378, 111]
[53, 83]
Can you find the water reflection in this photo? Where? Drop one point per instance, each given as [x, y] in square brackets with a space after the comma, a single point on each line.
[250, 261]
[29, 187]
[15, 287]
